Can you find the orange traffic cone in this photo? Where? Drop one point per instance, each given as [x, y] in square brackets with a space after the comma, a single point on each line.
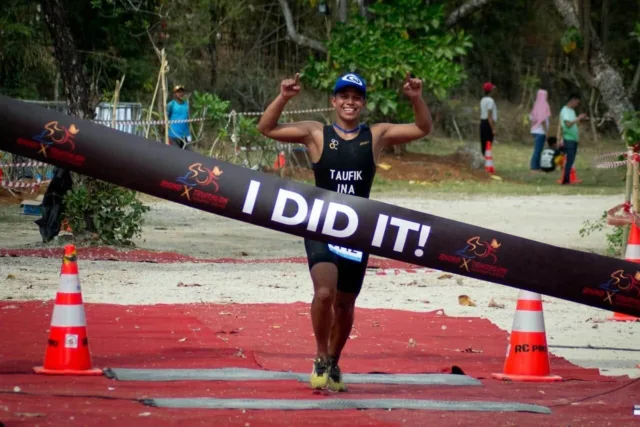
[632, 254]
[527, 352]
[67, 351]
[573, 176]
[280, 161]
[488, 159]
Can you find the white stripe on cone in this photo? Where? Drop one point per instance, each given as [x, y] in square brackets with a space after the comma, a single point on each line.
[633, 252]
[529, 296]
[68, 315]
[528, 321]
[69, 284]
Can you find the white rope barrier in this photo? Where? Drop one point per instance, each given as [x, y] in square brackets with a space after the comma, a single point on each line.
[612, 160]
[19, 184]
[202, 119]
[30, 164]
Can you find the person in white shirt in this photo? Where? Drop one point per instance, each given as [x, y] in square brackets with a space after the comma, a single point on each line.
[551, 158]
[539, 117]
[488, 116]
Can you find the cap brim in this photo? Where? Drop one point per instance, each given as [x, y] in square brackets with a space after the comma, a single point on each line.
[347, 86]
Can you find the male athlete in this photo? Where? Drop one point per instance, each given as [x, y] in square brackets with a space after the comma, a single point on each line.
[344, 157]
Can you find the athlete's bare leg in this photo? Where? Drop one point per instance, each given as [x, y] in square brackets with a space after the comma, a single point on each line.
[343, 309]
[325, 283]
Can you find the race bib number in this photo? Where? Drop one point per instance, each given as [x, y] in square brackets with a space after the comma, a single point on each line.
[347, 253]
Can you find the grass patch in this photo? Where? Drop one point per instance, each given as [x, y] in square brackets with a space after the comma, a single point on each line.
[511, 160]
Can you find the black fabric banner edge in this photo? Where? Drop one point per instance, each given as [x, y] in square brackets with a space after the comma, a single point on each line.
[294, 208]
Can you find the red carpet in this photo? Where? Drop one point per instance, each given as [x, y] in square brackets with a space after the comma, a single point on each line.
[279, 337]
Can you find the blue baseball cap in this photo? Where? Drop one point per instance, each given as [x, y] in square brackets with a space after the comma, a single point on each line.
[350, 80]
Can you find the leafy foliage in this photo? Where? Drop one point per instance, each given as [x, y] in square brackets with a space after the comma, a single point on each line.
[615, 242]
[631, 123]
[210, 104]
[112, 214]
[26, 64]
[571, 40]
[404, 36]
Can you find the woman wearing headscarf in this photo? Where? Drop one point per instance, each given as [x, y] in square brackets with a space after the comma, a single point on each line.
[539, 117]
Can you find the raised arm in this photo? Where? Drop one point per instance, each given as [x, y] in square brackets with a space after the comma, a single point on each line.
[286, 132]
[393, 134]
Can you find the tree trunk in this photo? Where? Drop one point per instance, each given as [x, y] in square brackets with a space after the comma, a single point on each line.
[343, 10]
[604, 29]
[293, 33]
[78, 94]
[214, 16]
[465, 10]
[585, 27]
[362, 8]
[635, 82]
[76, 87]
[604, 76]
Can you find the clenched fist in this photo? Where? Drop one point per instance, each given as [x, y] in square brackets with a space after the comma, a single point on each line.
[290, 87]
[412, 87]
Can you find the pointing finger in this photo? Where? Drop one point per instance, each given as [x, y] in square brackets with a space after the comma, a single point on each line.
[297, 79]
[407, 78]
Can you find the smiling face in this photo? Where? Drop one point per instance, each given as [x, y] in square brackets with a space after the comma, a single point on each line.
[348, 104]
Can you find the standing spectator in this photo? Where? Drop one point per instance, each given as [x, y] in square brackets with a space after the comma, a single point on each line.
[488, 116]
[569, 138]
[178, 109]
[539, 117]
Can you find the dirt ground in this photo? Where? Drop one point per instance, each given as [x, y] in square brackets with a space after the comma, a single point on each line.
[416, 167]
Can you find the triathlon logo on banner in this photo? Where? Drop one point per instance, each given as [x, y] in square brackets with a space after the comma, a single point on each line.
[615, 290]
[56, 142]
[478, 256]
[198, 184]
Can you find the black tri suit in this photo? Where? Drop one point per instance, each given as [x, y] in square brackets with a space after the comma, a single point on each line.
[346, 166]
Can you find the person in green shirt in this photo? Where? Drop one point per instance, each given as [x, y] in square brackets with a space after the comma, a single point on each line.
[569, 133]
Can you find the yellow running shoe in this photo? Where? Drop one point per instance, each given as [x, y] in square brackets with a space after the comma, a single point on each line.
[335, 377]
[319, 375]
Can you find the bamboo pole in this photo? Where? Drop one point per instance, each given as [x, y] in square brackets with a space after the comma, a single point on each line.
[636, 186]
[116, 99]
[627, 198]
[153, 100]
[163, 70]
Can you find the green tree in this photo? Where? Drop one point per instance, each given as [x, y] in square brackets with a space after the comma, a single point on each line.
[403, 36]
[26, 64]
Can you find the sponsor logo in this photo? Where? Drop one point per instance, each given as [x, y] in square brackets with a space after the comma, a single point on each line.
[199, 184]
[56, 142]
[55, 133]
[333, 144]
[621, 289]
[477, 257]
[353, 79]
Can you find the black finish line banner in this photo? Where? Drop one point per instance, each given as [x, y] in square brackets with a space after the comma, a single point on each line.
[347, 221]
